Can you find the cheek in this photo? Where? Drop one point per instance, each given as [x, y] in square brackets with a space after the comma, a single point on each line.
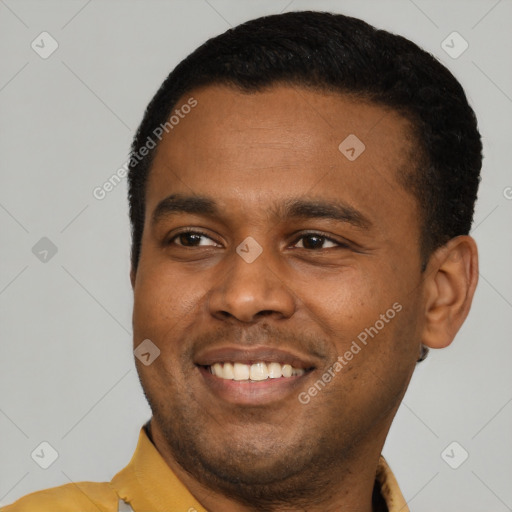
[351, 298]
[160, 312]
[374, 360]
[370, 307]
[166, 301]
[155, 302]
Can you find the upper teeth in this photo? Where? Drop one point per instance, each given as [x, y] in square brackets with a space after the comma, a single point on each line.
[254, 372]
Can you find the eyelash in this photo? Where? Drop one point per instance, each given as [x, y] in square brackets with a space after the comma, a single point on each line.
[303, 235]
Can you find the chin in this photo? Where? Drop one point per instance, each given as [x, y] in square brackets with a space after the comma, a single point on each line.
[250, 475]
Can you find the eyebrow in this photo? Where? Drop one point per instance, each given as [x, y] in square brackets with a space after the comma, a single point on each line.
[176, 204]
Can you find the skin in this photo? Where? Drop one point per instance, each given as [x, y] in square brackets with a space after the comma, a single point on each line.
[239, 450]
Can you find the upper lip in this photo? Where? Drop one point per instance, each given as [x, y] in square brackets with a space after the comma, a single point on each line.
[250, 355]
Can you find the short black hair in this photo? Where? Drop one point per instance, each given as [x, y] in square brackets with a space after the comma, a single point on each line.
[333, 52]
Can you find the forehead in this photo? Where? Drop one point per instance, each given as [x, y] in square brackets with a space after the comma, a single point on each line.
[309, 120]
[285, 140]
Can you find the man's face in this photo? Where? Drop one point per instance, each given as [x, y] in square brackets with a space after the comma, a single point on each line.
[264, 161]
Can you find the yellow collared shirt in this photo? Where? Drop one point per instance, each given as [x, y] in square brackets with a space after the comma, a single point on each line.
[147, 484]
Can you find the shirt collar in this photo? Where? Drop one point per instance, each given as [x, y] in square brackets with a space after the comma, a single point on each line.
[389, 488]
[148, 483]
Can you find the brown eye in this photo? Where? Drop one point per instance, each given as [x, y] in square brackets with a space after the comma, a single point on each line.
[191, 238]
[314, 241]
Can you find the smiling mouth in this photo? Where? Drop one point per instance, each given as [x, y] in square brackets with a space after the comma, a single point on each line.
[255, 372]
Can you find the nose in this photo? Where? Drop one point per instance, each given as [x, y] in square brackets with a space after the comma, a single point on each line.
[247, 291]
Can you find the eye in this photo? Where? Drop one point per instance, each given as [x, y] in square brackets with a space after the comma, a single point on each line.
[314, 241]
[310, 241]
[191, 238]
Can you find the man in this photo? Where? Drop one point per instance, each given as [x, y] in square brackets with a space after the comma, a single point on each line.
[301, 192]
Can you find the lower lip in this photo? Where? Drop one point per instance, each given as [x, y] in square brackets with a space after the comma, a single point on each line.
[255, 392]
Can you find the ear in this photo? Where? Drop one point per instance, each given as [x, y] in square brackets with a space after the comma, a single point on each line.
[451, 279]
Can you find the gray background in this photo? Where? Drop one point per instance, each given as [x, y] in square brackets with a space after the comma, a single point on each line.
[67, 374]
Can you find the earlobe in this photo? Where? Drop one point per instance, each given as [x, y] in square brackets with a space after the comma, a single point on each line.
[452, 276]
